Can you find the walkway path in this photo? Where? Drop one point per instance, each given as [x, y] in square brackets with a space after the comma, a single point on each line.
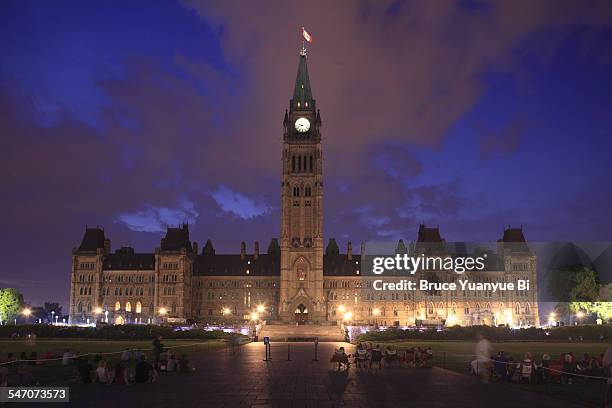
[244, 380]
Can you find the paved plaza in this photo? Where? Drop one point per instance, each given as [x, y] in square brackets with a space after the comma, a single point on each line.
[242, 379]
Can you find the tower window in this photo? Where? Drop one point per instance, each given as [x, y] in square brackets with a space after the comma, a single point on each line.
[299, 163]
[293, 164]
[310, 162]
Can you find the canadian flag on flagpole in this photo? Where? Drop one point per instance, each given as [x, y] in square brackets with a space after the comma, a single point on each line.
[306, 36]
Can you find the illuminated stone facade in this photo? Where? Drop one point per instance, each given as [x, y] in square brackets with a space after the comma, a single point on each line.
[296, 279]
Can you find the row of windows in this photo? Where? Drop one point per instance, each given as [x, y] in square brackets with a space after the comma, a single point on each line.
[129, 291]
[169, 290]
[302, 191]
[438, 309]
[85, 278]
[87, 265]
[170, 265]
[169, 278]
[85, 291]
[240, 284]
[302, 164]
[129, 278]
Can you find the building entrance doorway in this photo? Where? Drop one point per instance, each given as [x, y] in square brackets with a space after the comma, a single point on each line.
[301, 314]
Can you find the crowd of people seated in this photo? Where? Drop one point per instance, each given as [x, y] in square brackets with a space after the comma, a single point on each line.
[132, 367]
[564, 369]
[368, 355]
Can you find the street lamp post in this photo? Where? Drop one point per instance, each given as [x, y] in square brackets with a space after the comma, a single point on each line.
[52, 316]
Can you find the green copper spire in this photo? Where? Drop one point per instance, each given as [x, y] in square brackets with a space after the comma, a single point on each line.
[302, 95]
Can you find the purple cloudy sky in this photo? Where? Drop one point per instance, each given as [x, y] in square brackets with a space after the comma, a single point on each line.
[465, 114]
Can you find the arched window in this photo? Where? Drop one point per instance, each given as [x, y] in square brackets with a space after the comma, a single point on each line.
[299, 163]
[477, 307]
[80, 307]
[430, 308]
[88, 307]
[138, 307]
[293, 164]
[128, 307]
[311, 162]
[173, 307]
[117, 306]
[527, 309]
[517, 309]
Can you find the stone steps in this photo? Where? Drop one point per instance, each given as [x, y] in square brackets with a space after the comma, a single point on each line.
[291, 332]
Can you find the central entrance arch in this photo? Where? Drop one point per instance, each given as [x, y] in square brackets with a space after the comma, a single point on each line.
[301, 314]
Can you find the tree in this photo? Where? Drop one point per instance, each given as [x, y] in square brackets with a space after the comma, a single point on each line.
[11, 302]
[51, 307]
[586, 287]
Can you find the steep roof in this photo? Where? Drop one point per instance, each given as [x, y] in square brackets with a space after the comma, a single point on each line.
[513, 235]
[236, 265]
[125, 259]
[339, 265]
[302, 92]
[176, 239]
[429, 234]
[92, 240]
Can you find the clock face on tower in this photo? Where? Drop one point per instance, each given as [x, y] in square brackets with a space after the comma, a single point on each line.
[302, 125]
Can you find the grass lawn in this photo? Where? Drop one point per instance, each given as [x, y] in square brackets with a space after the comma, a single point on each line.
[53, 371]
[455, 355]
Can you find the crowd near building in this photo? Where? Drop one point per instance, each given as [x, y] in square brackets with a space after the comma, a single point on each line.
[297, 278]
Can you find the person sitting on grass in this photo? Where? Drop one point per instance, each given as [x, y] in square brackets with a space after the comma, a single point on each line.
[341, 358]
[104, 374]
[499, 366]
[121, 374]
[569, 368]
[126, 355]
[144, 371]
[511, 369]
[84, 369]
[67, 357]
[391, 355]
[183, 364]
[361, 356]
[376, 356]
[172, 363]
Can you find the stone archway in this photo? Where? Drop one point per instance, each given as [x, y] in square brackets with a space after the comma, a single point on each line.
[301, 309]
[301, 314]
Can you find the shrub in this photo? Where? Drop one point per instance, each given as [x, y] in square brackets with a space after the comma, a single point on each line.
[587, 332]
[111, 332]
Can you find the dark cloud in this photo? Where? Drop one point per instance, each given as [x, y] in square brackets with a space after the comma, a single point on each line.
[504, 142]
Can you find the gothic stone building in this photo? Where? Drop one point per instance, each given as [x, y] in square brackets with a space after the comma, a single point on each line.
[296, 279]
